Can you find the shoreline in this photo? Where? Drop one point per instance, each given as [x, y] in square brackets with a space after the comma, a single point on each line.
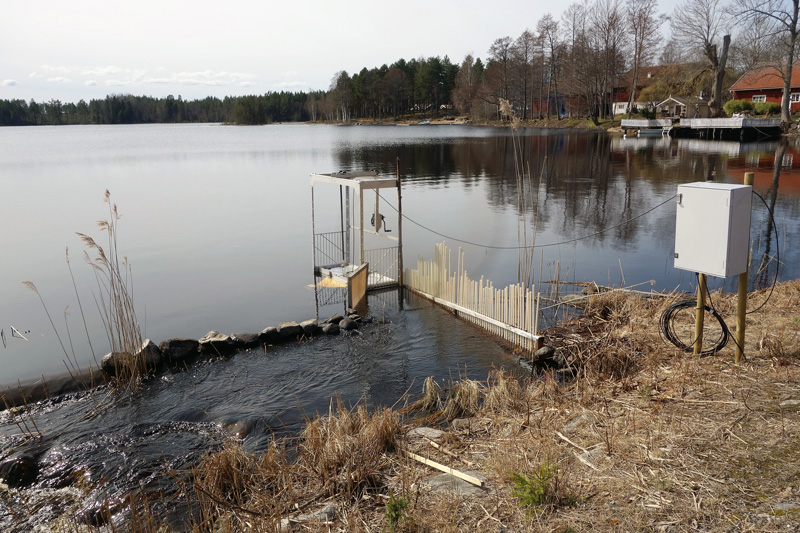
[643, 437]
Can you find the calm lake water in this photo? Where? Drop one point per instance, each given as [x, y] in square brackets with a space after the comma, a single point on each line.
[216, 223]
[216, 220]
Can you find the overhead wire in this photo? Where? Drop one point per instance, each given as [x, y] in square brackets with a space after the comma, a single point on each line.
[547, 245]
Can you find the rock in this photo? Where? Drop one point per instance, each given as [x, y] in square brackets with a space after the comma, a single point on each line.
[350, 311]
[179, 350]
[215, 342]
[310, 327]
[109, 362]
[348, 324]
[150, 353]
[245, 340]
[576, 423]
[20, 472]
[325, 514]
[545, 352]
[270, 334]
[335, 319]
[548, 357]
[321, 515]
[430, 433]
[355, 317]
[450, 483]
[289, 330]
[331, 329]
[462, 423]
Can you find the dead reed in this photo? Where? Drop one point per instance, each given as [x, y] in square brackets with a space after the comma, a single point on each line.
[114, 299]
[340, 456]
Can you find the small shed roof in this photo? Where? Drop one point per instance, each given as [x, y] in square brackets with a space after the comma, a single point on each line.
[684, 100]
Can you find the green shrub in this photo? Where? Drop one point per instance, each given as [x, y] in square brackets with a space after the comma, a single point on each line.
[647, 112]
[544, 487]
[396, 511]
[737, 106]
[766, 108]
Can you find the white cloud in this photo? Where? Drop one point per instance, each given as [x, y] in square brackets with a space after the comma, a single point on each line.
[206, 77]
[102, 71]
[33, 75]
[90, 83]
[10, 83]
[58, 79]
[118, 83]
[290, 84]
[52, 69]
[289, 74]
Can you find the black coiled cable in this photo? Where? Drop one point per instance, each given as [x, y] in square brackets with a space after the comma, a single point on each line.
[667, 327]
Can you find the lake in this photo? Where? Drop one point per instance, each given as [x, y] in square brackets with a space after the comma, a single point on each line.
[216, 225]
[216, 220]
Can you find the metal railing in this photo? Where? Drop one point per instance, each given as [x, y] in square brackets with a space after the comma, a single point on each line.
[383, 267]
[328, 249]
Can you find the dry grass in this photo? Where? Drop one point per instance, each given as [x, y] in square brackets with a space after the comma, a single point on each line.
[643, 438]
[341, 456]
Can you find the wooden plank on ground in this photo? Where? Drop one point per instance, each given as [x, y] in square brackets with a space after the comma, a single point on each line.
[452, 471]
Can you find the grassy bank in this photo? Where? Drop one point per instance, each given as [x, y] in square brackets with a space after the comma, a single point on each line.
[643, 438]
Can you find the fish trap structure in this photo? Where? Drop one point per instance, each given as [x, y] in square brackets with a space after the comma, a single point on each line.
[365, 251]
[510, 313]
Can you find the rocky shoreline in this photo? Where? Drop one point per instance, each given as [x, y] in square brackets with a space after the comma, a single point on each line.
[177, 354]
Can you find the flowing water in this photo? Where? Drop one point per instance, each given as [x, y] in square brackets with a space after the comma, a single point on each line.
[216, 225]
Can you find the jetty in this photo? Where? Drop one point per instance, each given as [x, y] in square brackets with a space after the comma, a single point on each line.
[722, 129]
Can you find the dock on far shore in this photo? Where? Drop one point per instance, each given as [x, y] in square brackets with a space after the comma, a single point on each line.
[732, 129]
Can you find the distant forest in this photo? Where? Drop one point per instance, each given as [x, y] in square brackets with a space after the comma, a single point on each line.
[378, 93]
[586, 64]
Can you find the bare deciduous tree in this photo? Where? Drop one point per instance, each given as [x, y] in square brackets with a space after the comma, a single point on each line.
[644, 23]
[500, 53]
[779, 19]
[697, 25]
[550, 40]
[523, 54]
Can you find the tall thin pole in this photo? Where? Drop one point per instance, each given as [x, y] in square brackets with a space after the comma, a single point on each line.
[341, 218]
[701, 308]
[314, 254]
[741, 308]
[361, 225]
[399, 227]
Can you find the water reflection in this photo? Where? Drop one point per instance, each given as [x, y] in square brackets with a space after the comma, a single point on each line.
[587, 183]
[217, 220]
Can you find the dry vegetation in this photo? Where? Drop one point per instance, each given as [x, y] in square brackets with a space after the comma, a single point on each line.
[644, 438]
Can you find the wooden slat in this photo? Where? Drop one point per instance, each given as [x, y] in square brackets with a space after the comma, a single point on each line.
[452, 471]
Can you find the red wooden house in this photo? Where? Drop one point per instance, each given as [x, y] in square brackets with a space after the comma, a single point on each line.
[764, 83]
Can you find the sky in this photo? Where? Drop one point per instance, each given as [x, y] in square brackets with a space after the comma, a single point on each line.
[83, 49]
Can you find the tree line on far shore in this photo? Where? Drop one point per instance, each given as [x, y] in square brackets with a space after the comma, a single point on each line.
[129, 109]
[579, 65]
